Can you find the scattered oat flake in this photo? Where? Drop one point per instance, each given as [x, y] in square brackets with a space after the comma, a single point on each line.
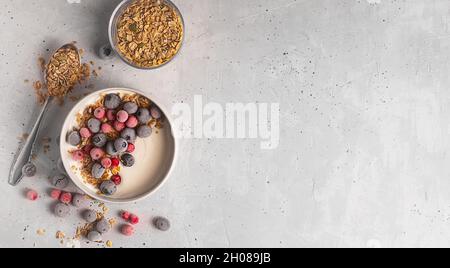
[60, 235]
[40, 231]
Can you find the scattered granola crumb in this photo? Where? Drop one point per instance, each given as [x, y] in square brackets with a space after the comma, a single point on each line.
[109, 243]
[94, 73]
[41, 61]
[26, 81]
[60, 235]
[40, 231]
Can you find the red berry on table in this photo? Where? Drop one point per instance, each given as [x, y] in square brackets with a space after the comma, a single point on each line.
[78, 155]
[55, 194]
[125, 215]
[131, 148]
[115, 162]
[132, 122]
[97, 153]
[127, 230]
[106, 128]
[32, 195]
[134, 219]
[116, 179]
[65, 198]
[99, 113]
[119, 126]
[122, 116]
[85, 132]
[106, 162]
[111, 115]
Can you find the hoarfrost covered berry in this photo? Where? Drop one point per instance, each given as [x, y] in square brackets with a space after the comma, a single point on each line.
[112, 101]
[125, 215]
[97, 171]
[103, 226]
[134, 219]
[99, 113]
[32, 195]
[29, 170]
[85, 133]
[127, 160]
[143, 115]
[94, 125]
[97, 153]
[90, 215]
[99, 140]
[65, 198]
[107, 128]
[155, 112]
[78, 155]
[127, 230]
[74, 138]
[130, 107]
[132, 122]
[129, 135]
[60, 181]
[161, 223]
[122, 116]
[55, 194]
[62, 210]
[144, 131]
[79, 200]
[108, 188]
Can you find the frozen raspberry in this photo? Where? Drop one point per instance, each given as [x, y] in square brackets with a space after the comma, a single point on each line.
[115, 162]
[122, 116]
[131, 148]
[32, 195]
[106, 162]
[99, 113]
[116, 179]
[134, 219]
[127, 230]
[85, 132]
[132, 122]
[125, 215]
[111, 115]
[107, 128]
[119, 126]
[78, 155]
[65, 198]
[97, 153]
[55, 194]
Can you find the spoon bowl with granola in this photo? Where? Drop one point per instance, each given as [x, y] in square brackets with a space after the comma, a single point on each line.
[117, 145]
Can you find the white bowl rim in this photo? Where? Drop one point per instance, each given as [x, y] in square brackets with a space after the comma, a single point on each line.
[80, 185]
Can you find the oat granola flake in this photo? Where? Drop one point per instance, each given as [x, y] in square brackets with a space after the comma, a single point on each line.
[149, 33]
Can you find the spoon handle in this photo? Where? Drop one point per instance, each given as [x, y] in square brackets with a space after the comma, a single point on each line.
[24, 155]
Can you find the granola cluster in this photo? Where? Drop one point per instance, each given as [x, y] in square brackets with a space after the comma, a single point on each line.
[63, 72]
[149, 33]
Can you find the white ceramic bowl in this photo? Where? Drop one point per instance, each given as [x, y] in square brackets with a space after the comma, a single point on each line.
[155, 156]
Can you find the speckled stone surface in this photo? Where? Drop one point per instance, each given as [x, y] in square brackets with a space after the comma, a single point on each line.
[364, 97]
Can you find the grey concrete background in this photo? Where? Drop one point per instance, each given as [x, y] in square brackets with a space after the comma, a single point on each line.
[363, 89]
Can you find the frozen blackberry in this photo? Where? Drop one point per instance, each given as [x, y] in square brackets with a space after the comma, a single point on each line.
[144, 131]
[120, 145]
[29, 170]
[143, 115]
[97, 171]
[108, 188]
[130, 107]
[94, 236]
[94, 125]
[161, 223]
[74, 138]
[112, 101]
[62, 210]
[60, 181]
[110, 149]
[129, 135]
[127, 160]
[90, 215]
[99, 140]
[103, 226]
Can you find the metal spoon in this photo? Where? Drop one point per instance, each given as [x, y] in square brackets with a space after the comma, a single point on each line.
[24, 156]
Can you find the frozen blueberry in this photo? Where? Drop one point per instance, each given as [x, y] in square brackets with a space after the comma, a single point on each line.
[108, 188]
[29, 170]
[155, 112]
[97, 171]
[110, 148]
[94, 236]
[127, 160]
[103, 226]
[161, 223]
[99, 140]
[94, 125]
[79, 200]
[144, 131]
[112, 101]
[143, 115]
[129, 135]
[90, 215]
[120, 145]
[106, 52]
[60, 181]
[130, 107]
[62, 210]
[74, 138]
